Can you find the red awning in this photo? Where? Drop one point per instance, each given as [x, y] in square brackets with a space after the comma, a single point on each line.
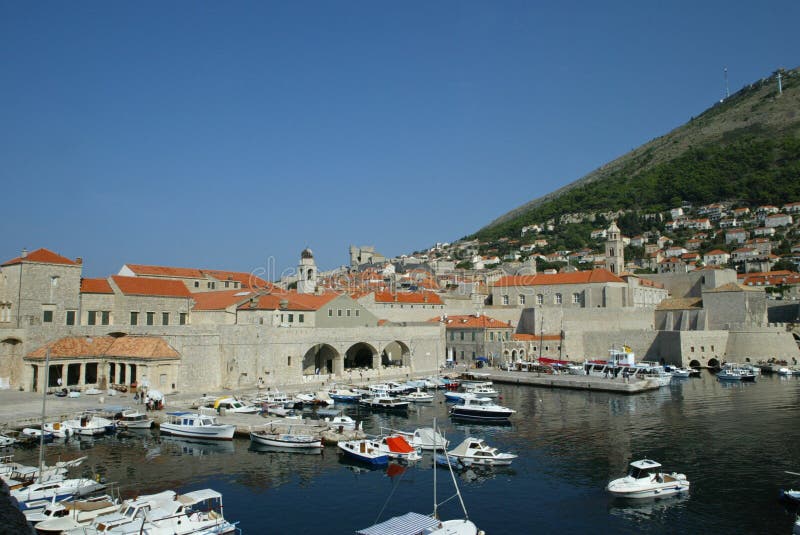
[399, 445]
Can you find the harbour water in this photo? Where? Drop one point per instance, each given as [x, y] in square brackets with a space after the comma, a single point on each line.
[733, 441]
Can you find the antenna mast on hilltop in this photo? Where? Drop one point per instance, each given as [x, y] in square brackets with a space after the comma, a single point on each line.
[727, 91]
[780, 86]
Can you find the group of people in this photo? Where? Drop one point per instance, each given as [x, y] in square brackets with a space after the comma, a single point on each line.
[150, 404]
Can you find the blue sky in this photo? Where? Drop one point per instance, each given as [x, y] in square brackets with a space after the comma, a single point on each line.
[222, 134]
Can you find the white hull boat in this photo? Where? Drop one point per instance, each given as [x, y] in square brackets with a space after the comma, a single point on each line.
[646, 480]
[58, 517]
[475, 408]
[425, 438]
[418, 397]
[285, 440]
[54, 490]
[194, 425]
[474, 451]
[133, 419]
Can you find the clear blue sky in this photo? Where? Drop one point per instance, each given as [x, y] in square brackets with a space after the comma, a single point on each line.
[218, 134]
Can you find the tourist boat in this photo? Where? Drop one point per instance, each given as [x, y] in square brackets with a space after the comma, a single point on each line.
[285, 440]
[89, 424]
[364, 450]
[416, 523]
[133, 419]
[32, 495]
[194, 425]
[231, 404]
[646, 480]
[397, 447]
[425, 438]
[58, 517]
[385, 402]
[475, 451]
[417, 397]
[481, 409]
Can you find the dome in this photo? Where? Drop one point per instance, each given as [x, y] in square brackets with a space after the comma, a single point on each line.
[306, 253]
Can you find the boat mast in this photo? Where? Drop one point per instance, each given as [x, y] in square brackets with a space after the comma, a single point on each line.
[45, 382]
[435, 502]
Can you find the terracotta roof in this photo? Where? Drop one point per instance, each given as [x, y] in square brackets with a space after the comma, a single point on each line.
[42, 256]
[576, 277]
[771, 278]
[681, 303]
[142, 347]
[152, 287]
[220, 300]
[472, 322]
[414, 298]
[96, 286]
[717, 252]
[247, 280]
[165, 271]
[294, 301]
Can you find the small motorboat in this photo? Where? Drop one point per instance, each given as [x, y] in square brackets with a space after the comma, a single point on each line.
[790, 495]
[133, 419]
[7, 441]
[681, 373]
[89, 424]
[344, 395]
[285, 440]
[475, 408]
[58, 517]
[397, 447]
[54, 490]
[386, 403]
[37, 434]
[482, 390]
[646, 480]
[475, 451]
[424, 438]
[194, 425]
[233, 405]
[364, 450]
[58, 430]
[458, 397]
[335, 419]
[418, 396]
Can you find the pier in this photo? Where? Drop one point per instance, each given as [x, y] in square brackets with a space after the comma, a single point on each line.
[575, 382]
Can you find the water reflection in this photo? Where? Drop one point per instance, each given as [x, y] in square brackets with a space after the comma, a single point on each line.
[196, 447]
[645, 510]
[264, 448]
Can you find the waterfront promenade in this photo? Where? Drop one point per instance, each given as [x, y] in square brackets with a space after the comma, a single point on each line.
[576, 382]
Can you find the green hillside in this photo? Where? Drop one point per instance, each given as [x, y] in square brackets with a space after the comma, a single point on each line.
[746, 148]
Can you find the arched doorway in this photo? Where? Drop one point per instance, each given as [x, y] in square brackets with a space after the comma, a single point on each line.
[713, 363]
[360, 355]
[694, 364]
[319, 360]
[396, 354]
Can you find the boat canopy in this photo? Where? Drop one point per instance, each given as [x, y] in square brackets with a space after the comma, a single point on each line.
[399, 445]
[407, 524]
[197, 496]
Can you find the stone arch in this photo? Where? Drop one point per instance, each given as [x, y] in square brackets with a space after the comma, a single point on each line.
[522, 353]
[396, 353]
[506, 353]
[320, 359]
[117, 334]
[514, 354]
[713, 363]
[694, 364]
[361, 355]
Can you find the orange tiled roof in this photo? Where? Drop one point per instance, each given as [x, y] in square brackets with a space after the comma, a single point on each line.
[146, 347]
[247, 280]
[472, 322]
[96, 286]
[414, 298]
[521, 337]
[152, 287]
[294, 301]
[576, 277]
[165, 271]
[42, 256]
[220, 300]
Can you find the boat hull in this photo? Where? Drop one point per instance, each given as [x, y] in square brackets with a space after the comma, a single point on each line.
[277, 441]
[670, 489]
[224, 432]
[471, 414]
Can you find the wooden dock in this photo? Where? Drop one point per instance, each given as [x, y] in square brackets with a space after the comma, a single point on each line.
[616, 385]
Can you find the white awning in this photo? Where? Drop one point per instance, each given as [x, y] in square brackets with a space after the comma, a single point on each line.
[407, 524]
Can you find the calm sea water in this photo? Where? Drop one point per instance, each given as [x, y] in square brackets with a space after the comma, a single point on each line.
[733, 441]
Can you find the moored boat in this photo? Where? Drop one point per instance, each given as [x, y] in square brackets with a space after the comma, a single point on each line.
[133, 419]
[475, 408]
[386, 403]
[364, 450]
[475, 451]
[645, 479]
[194, 425]
[285, 440]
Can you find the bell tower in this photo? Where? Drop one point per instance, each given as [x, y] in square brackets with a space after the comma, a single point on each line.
[306, 273]
[615, 258]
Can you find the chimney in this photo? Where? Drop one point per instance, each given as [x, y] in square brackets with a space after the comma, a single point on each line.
[79, 261]
[24, 253]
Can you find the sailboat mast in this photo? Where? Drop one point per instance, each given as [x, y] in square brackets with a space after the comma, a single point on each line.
[435, 501]
[44, 383]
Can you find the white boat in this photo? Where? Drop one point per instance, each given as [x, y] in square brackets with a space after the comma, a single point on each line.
[273, 397]
[120, 520]
[397, 447]
[37, 434]
[194, 425]
[417, 396]
[62, 516]
[336, 419]
[231, 404]
[482, 390]
[58, 429]
[54, 490]
[89, 424]
[646, 480]
[285, 440]
[734, 373]
[681, 373]
[344, 395]
[419, 524]
[475, 408]
[92, 391]
[475, 451]
[458, 397]
[425, 438]
[133, 419]
[385, 402]
[7, 441]
[652, 372]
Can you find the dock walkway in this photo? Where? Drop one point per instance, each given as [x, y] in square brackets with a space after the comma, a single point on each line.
[575, 382]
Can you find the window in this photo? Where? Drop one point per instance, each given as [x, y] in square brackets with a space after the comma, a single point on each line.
[92, 318]
[289, 360]
[473, 335]
[505, 299]
[452, 335]
[462, 355]
[47, 316]
[196, 284]
[712, 348]
[291, 318]
[692, 349]
[358, 312]
[105, 317]
[462, 334]
[348, 312]
[330, 312]
[165, 318]
[301, 318]
[227, 284]
[491, 336]
[576, 299]
[339, 312]
[521, 299]
[151, 318]
[208, 285]
[557, 299]
[182, 318]
[539, 299]
[134, 318]
[702, 349]
[70, 317]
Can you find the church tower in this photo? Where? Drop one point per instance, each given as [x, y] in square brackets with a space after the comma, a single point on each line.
[615, 259]
[306, 273]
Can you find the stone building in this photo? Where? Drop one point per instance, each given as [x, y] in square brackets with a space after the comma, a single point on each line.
[470, 337]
